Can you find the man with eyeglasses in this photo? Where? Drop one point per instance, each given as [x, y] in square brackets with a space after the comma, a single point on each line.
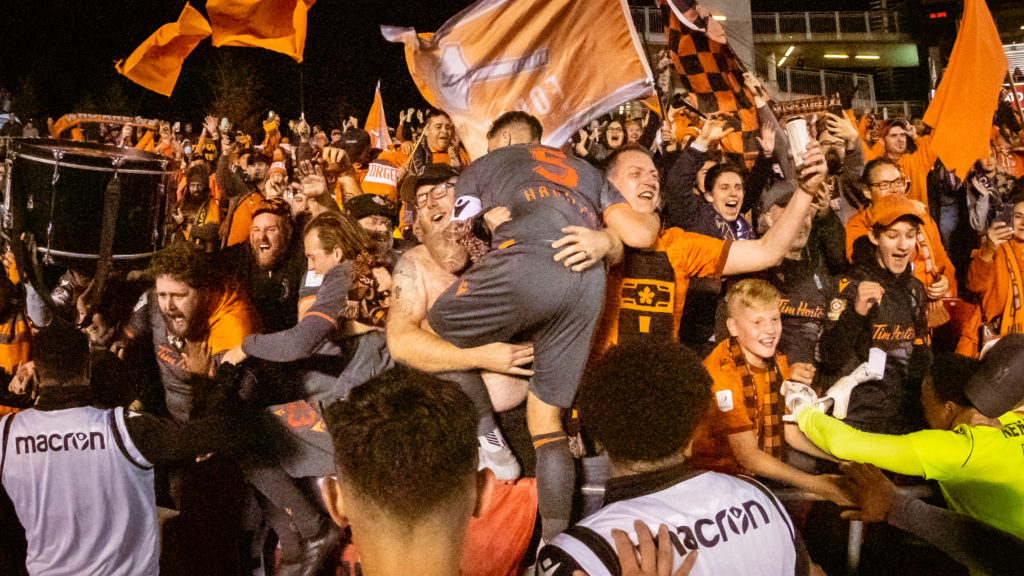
[485, 372]
[538, 208]
[914, 163]
[931, 264]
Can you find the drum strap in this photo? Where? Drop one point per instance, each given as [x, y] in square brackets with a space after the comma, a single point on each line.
[111, 205]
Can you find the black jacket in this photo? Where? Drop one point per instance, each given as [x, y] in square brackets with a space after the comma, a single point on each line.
[899, 326]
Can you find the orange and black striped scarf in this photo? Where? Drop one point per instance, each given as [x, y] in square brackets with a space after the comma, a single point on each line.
[1013, 311]
[767, 416]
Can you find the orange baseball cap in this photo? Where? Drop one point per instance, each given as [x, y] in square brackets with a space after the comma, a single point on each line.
[891, 208]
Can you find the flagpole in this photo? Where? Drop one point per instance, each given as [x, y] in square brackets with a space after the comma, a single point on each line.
[302, 93]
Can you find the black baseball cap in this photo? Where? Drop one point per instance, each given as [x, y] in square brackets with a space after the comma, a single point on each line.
[370, 205]
[432, 174]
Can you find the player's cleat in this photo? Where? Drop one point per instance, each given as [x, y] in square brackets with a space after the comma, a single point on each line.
[496, 455]
[840, 391]
[502, 462]
[799, 397]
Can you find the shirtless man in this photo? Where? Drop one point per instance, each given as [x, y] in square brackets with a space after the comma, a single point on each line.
[420, 276]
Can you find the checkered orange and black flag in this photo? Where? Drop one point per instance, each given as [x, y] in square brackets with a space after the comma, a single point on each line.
[713, 75]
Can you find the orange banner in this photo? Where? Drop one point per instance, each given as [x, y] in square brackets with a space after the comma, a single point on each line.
[376, 125]
[961, 112]
[564, 61]
[156, 63]
[278, 25]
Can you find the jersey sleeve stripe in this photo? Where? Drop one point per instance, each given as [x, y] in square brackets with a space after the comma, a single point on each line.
[774, 500]
[3, 445]
[120, 430]
[321, 315]
[599, 546]
[723, 259]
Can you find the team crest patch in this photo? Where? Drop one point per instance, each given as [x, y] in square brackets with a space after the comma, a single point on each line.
[647, 295]
[724, 399]
[836, 308]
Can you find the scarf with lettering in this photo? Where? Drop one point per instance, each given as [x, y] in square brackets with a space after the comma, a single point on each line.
[767, 415]
[1013, 311]
[935, 310]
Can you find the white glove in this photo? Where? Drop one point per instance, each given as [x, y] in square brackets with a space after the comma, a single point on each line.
[799, 397]
[840, 391]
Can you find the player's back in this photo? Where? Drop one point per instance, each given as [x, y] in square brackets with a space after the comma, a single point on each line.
[544, 189]
[736, 523]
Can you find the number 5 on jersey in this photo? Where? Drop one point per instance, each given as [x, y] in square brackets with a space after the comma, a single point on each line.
[554, 168]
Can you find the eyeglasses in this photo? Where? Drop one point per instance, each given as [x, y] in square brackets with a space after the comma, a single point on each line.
[436, 192]
[613, 129]
[886, 185]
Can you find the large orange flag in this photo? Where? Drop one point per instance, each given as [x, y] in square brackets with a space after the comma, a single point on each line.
[156, 63]
[278, 25]
[375, 123]
[961, 112]
[564, 61]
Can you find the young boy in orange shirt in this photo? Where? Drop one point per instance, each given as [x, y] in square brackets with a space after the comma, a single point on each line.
[744, 431]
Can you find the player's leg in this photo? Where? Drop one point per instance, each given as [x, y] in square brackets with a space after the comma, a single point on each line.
[494, 451]
[556, 472]
[561, 347]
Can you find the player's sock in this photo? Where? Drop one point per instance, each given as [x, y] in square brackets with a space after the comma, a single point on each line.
[556, 479]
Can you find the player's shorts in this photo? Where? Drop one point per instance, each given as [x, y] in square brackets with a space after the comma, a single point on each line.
[520, 294]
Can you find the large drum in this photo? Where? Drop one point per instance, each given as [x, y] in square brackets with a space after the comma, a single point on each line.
[57, 191]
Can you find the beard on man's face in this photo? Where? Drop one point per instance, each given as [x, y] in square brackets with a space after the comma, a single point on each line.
[382, 241]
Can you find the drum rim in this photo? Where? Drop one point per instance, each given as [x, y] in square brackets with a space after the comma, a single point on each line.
[75, 166]
[86, 256]
[33, 148]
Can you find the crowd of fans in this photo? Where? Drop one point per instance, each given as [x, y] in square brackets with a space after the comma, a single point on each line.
[638, 299]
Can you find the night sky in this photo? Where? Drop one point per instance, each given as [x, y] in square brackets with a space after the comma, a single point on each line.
[63, 53]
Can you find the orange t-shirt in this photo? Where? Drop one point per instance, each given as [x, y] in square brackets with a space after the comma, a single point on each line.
[728, 414]
[230, 322]
[914, 166]
[690, 255]
[241, 219]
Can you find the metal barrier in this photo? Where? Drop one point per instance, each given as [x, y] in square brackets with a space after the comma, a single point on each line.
[900, 109]
[649, 23]
[867, 25]
[795, 83]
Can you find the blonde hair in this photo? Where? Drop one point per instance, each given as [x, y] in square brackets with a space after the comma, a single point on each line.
[750, 293]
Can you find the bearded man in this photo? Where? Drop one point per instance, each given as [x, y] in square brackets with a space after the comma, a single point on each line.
[269, 267]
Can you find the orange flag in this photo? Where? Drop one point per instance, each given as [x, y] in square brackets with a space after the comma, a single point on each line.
[278, 25]
[961, 112]
[564, 61]
[156, 63]
[375, 123]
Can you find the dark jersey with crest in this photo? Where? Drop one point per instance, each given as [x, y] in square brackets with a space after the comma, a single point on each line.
[544, 189]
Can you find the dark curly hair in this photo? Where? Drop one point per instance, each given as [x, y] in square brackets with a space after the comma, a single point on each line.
[643, 402]
[184, 262]
[405, 440]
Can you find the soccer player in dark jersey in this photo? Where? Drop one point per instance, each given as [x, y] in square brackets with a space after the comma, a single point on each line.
[519, 291]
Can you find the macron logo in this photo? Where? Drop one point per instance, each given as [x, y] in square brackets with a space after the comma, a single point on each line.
[466, 207]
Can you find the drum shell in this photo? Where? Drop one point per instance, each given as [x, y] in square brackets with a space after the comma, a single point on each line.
[70, 228]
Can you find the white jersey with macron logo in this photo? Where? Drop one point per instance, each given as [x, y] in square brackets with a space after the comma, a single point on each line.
[82, 490]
